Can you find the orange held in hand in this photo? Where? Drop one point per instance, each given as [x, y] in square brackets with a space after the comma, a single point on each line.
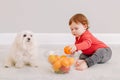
[67, 50]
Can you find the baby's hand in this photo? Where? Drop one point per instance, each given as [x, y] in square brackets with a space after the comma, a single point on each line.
[70, 49]
[72, 55]
[73, 48]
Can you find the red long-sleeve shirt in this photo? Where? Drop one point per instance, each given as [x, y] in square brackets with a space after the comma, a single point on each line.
[88, 44]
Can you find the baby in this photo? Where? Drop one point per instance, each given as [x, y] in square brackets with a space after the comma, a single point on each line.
[93, 50]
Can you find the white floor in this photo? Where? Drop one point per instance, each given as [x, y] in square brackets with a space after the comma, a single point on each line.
[107, 71]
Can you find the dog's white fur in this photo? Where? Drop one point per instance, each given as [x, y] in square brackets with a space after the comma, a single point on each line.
[23, 51]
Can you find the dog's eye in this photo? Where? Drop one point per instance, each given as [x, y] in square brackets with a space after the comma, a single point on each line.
[31, 35]
[24, 35]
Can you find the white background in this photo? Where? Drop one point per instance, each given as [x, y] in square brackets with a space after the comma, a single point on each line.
[52, 16]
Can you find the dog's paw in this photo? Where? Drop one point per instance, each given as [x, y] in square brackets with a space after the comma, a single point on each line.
[6, 66]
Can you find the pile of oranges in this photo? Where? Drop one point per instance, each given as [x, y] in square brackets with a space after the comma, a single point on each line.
[60, 64]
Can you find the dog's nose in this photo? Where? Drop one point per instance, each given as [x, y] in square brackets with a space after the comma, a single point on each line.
[28, 39]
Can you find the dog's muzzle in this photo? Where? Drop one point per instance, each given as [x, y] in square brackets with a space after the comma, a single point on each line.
[28, 39]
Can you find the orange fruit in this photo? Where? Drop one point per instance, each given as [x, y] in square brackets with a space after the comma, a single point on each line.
[67, 50]
[52, 58]
[64, 69]
[57, 65]
[71, 60]
[65, 62]
[57, 57]
[63, 56]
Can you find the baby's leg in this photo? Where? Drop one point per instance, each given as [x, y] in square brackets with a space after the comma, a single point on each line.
[100, 56]
[83, 56]
[106, 56]
[80, 60]
[81, 65]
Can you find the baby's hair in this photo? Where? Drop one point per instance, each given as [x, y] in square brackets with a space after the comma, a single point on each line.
[79, 18]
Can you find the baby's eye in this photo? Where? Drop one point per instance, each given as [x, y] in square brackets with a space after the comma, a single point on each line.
[71, 29]
[24, 35]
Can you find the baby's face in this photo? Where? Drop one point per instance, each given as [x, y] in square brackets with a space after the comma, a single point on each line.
[77, 29]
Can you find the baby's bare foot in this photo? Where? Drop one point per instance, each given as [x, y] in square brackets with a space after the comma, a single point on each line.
[82, 66]
[78, 62]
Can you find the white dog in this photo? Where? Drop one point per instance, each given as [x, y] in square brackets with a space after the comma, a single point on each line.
[23, 51]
